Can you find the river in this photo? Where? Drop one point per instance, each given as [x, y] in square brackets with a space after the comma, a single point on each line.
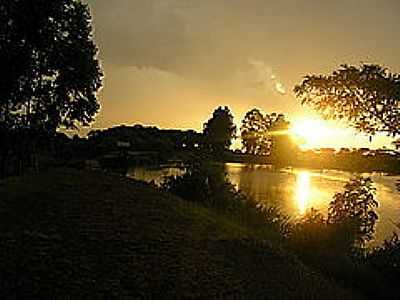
[297, 190]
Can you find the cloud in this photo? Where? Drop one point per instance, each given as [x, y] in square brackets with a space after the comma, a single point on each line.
[259, 76]
[280, 88]
[211, 39]
[243, 53]
[193, 38]
[140, 33]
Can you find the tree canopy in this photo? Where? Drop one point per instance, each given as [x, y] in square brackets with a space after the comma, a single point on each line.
[356, 206]
[267, 134]
[254, 133]
[219, 130]
[366, 96]
[50, 73]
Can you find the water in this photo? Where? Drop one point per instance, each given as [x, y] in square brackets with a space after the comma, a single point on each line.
[154, 174]
[297, 190]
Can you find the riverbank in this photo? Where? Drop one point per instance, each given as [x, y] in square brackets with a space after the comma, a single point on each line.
[69, 233]
[349, 162]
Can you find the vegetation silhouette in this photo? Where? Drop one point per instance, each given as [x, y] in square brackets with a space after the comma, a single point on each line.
[356, 206]
[219, 131]
[366, 97]
[284, 150]
[349, 225]
[254, 133]
[138, 144]
[386, 258]
[267, 135]
[335, 245]
[143, 145]
[50, 73]
[207, 184]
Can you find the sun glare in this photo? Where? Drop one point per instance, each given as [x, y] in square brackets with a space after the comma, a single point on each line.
[310, 133]
[303, 191]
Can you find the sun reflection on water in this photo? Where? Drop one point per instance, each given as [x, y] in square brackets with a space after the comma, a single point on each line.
[303, 188]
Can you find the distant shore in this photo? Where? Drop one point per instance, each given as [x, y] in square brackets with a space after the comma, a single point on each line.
[350, 162]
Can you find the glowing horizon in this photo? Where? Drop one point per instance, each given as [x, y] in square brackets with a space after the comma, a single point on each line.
[316, 133]
[163, 67]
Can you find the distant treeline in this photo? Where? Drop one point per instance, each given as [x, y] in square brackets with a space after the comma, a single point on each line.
[167, 142]
[265, 140]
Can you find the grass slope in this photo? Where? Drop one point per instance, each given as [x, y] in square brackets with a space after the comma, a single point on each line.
[67, 233]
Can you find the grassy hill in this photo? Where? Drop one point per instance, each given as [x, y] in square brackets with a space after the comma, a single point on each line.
[67, 233]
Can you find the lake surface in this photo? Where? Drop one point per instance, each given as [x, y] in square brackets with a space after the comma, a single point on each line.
[297, 190]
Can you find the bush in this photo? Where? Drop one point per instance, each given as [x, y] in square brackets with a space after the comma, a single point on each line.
[354, 211]
[208, 184]
[386, 258]
[329, 244]
[349, 225]
[333, 244]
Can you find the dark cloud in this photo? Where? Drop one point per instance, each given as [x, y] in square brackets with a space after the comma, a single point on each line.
[213, 38]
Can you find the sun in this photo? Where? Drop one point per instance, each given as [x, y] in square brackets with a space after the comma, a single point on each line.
[311, 133]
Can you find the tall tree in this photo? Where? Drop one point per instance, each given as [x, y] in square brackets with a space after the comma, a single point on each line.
[219, 131]
[49, 63]
[367, 97]
[254, 133]
[50, 73]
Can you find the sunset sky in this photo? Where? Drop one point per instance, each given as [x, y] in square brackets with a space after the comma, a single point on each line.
[170, 63]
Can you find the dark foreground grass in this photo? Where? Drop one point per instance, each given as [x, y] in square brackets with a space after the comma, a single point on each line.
[74, 234]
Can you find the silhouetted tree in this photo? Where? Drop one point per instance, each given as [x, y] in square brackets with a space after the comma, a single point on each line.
[367, 97]
[355, 208]
[254, 133]
[50, 73]
[219, 131]
[267, 135]
[283, 148]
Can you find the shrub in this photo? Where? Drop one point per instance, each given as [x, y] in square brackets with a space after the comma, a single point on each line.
[208, 184]
[386, 258]
[309, 233]
[333, 244]
[354, 210]
[349, 225]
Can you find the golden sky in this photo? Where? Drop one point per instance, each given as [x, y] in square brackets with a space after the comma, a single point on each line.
[170, 63]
